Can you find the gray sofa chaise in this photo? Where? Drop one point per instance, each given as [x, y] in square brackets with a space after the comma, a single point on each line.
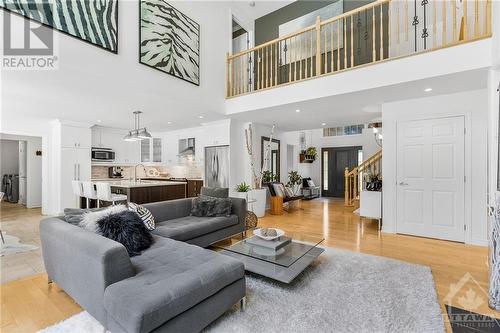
[171, 287]
[173, 220]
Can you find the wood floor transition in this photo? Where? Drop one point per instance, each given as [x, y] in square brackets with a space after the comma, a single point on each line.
[28, 304]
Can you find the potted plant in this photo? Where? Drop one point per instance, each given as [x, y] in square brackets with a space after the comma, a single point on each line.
[294, 181]
[243, 188]
[268, 177]
[308, 155]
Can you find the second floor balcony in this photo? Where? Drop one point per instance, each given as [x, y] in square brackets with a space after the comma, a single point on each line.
[378, 32]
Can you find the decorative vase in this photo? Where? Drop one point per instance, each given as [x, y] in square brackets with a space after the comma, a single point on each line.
[494, 289]
[259, 206]
[296, 189]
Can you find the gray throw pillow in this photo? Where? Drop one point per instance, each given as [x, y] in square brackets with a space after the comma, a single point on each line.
[75, 215]
[216, 192]
[205, 206]
[201, 205]
[222, 207]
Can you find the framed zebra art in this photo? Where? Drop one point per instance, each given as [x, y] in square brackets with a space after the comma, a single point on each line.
[93, 21]
[169, 40]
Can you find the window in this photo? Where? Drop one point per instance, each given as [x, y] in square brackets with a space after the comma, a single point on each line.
[343, 130]
[325, 170]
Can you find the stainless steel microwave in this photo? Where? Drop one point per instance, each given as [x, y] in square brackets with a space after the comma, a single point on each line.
[103, 154]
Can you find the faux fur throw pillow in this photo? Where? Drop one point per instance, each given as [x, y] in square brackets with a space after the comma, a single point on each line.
[205, 206]
[126, 227]
[201, 205]
[89, 220]
[121, 225]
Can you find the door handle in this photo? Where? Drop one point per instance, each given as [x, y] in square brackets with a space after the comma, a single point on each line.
[403, 184]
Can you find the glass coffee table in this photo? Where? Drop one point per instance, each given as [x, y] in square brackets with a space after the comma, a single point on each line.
[282, 265]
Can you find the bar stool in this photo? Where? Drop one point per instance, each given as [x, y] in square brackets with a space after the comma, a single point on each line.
[77, 189]
[104, 193]
[89, 192]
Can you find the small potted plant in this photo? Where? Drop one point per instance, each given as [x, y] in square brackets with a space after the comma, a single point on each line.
[243, 188]
[294, 181]
[268, 177]
[309, 155]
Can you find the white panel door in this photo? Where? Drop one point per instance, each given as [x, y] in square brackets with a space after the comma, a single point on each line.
[431, 178]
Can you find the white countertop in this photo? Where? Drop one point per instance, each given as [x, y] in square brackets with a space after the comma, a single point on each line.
[142, 183]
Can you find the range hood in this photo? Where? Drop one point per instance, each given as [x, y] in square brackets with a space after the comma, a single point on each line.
[186, 147]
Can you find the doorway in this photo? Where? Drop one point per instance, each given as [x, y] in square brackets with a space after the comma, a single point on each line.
[333, 164]
[240, 41]
[21, 170]
[431, 178]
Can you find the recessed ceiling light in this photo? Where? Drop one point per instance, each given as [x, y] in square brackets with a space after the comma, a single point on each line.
[323, 124]
[201, 117]
[169, 122]
[428, 89]
[297, 110]
[99, 120]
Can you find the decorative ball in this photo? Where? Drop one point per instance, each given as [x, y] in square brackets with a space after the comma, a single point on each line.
[271, 233]
[251, 220]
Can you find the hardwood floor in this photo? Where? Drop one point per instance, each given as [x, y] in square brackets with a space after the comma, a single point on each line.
[28, 304]
[19, 221]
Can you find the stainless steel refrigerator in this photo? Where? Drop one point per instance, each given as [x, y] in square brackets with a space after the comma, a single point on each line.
[217, 166]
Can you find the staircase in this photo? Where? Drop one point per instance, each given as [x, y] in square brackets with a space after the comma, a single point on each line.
[355, 179]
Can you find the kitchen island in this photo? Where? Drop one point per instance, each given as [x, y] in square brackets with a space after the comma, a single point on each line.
[145, 191]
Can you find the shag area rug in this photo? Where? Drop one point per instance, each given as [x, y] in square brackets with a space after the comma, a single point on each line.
[340, 292]
[12, 245]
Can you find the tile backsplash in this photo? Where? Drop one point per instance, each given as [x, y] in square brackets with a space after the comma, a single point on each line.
[188, 170]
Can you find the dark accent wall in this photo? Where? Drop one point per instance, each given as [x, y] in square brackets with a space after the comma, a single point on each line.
[267, 27]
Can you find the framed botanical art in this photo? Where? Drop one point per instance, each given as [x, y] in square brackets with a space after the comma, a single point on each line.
[169, 40]
[92, 21]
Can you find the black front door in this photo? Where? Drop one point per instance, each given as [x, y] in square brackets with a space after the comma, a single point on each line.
[333, 163]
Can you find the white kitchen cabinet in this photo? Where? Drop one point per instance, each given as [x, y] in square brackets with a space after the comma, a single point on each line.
[125, 152]
[96, 137]
[151, 150]
[75, 165]
[72, 136]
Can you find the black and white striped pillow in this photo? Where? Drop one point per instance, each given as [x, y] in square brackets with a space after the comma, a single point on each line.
[145, 215]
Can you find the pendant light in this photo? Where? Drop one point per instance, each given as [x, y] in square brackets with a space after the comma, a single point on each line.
[137, 133]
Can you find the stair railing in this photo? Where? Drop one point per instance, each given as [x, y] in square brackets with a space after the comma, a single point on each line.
[379, 31]
[354, 181]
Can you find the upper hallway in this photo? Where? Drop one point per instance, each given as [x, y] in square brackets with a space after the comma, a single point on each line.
[369, 48]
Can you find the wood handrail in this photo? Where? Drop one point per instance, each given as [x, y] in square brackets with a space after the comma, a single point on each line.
[355, 10]
[329, 46]
[311, 27]
[368, 162]
[352, 178]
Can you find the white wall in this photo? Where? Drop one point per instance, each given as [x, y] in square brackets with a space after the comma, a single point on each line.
[473, 105]
[97, 84]
[34, 173]
[240, 170]
[9, 163]
[315, 138]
